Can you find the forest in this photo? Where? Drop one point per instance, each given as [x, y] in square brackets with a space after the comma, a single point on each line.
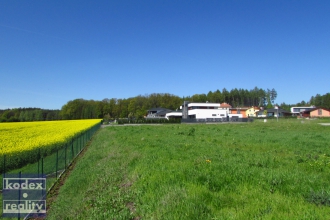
[28, 114]
[137, 106]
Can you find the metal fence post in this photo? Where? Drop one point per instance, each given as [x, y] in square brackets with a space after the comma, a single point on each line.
[42, 166]
[79, 142]
[65, 156]
[56, 163]
[38, 166]
[72, 153]
[4, 166]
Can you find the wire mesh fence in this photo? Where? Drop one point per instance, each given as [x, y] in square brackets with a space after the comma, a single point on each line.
[217, 120]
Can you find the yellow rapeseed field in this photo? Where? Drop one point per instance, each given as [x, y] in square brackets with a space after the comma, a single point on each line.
[20, 137]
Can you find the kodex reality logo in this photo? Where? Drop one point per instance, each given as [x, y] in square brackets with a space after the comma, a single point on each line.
[24, 195]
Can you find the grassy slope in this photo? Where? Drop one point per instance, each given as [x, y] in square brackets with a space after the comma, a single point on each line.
[227, 171]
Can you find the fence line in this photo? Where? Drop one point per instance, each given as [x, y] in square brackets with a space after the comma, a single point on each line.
[216, 120]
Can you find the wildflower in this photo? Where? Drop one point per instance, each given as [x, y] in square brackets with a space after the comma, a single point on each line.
[208, 161]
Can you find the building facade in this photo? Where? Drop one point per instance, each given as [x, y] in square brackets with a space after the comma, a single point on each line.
[320, 112]
[296, 111]
[205, 111]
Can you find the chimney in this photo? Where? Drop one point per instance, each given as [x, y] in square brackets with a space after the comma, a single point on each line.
[185, 110]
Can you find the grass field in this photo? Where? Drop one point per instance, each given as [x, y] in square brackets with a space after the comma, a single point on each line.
[273, 170]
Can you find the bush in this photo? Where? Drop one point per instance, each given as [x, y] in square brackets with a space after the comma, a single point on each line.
[148, 121]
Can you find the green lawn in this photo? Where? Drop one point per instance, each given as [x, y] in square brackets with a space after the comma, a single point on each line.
[273, 170]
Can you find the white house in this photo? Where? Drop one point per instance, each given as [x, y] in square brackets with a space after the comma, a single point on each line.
[299, 109]
[204, 111]
[176, 114]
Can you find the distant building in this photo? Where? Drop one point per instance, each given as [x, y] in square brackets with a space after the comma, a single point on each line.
[225, 105]
[320, 112]
[174, 114]
[297, 111]
[305, 114]
[240, 110]
[204, 111]
[158, 112]
[252, 112]
[273, 112]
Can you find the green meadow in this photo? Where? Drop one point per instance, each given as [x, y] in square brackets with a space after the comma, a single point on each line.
[272, 170]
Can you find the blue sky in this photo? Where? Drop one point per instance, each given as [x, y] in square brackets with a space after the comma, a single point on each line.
[52, 52]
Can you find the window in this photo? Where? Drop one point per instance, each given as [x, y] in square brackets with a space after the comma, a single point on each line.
[320, 111]
[214, 115]
[238, 111]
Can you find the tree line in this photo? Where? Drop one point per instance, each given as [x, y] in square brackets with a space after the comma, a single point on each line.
[322, 101]
[29, 114]
[137, 107]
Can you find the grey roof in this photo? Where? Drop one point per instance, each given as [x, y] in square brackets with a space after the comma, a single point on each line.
[277, 110]
[163, 112]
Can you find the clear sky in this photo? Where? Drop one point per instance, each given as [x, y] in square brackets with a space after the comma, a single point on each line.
[52, 52]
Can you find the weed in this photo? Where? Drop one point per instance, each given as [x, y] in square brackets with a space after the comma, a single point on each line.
[319, 198]
[191, 132]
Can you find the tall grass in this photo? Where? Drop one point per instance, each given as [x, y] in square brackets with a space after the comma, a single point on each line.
[273, 170]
